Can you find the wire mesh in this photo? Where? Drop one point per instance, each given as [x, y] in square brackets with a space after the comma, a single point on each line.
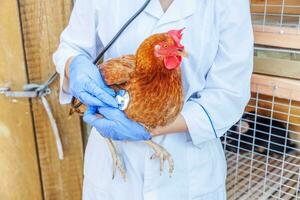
[263, 148]
[281, 16]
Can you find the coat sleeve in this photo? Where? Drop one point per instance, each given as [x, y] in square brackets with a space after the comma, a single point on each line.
[79, 37]
[227, 89]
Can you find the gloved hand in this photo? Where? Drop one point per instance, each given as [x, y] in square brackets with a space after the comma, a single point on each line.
[115, 124]
[87, 85]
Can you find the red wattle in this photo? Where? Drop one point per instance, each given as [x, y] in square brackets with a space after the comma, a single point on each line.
[172, 62]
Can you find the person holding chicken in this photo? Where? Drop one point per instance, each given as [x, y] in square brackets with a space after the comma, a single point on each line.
[182, 105]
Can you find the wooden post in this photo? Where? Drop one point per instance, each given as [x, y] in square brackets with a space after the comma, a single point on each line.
[20, 177]
[42, 23]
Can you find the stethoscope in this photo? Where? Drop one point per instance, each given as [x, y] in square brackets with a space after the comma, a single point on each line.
[113, 40]
[123, 28]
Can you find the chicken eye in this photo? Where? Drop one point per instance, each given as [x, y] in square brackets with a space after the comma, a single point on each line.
[165, 46]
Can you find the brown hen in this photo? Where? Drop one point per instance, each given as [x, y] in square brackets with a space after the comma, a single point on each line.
[152, 79]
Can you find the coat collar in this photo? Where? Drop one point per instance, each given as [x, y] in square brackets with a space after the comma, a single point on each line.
[154, 9]
[178, 10]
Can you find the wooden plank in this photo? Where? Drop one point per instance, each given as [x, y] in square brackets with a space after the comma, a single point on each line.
[277, 67]
[276, 2]
[42, 23]
[275, 38]
[277, 30]
[20, 178]
[291, 6]
[284, 88]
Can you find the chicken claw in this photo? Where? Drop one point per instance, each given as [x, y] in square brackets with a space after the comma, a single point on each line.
[116, 160]
[163, 155]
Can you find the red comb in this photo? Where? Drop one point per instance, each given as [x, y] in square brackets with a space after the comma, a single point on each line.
[177, 36]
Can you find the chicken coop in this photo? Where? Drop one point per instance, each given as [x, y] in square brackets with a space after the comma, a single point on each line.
[263, 148]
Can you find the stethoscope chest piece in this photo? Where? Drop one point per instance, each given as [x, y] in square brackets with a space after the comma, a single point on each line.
[123, 99]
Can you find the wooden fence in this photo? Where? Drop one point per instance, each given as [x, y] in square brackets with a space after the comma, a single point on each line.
[29, 164]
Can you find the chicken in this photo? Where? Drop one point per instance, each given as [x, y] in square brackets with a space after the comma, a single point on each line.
[152, 79]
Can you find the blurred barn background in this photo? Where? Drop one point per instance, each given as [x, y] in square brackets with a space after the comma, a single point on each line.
[262, 149]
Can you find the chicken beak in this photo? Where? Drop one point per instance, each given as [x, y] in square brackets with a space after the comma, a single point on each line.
[183, 53]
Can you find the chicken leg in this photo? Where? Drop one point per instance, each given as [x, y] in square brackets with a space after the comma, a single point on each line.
[163, 155]
[117, 161]
[160, 153]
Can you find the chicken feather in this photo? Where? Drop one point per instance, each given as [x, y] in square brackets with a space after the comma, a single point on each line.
[117, 71]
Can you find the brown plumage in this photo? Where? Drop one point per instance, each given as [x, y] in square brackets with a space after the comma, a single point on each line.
[155, 92]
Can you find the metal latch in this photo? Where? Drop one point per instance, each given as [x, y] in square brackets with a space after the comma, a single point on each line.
[41, 91]
[30, 91]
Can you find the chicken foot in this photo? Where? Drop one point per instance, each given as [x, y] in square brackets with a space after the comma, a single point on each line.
[163, 155]
[117, 161]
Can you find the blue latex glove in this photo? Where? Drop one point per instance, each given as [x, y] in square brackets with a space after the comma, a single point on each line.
[87, 85]
[115, 124]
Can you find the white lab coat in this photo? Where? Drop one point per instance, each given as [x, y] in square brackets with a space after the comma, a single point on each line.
[218, 37]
